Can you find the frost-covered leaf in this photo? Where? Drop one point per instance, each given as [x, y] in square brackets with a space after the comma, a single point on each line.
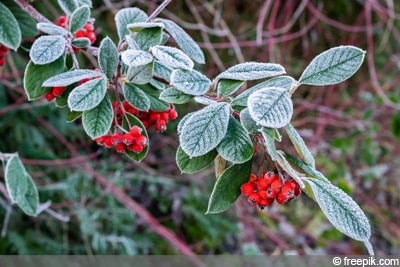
[132, 122]
[341, 210]
[252, 71]
[248, 123]
[184, 41]
[51, 28]
[205, 100]
[227, 87]
[10, 33]
[86, 2]
[88, 95]
[47, 49]
[285, 82]
[138, 26]
[190, 82]
[173, 95]
[134, 58]
[140, 74]
[154, 96]
[25, 21]
[136, 97]
[333, 66]
[147, 38]
[126, 16]
[236, 146]
[310, 171]
[162, 71]
[79, 18]
[284, 163]
[20, 186]
[271, 107]
[191, 165]
[269, 139]
[97, 121]
[227, 188]
[35, 75]
[68, 6]
[205, 129]
[183, 121]
[299, 144]
[108, 57]
[172, 57]
[70, 77]
[81, 42]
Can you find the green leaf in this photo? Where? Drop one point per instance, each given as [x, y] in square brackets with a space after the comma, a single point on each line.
[73, 115]
[183, 121]
[192, 165]
[190, 82]
[227, 187]
[136, 97]
[227, 87]
[126, 16]
[97, 121]
[132, 122]
[299, 144]
[139, 26]
[86, 2]
[35, 75]
[285, 82]
[108, 57]
[172, 57]
[310, 171]
[10, 33]
[26, 22]
[333, 66]
[173, 95]
[236, 146]
[341, 210]
[269, 138]
[79, 18]
[70, 77]
[248, 123]
[134, 58]
[20, 186]
[88, 95]
[162, 71]
[252, 71]
[47, 49]
[140, 74]
[154, 96]
[205, 129]
[285, 164]
[271, 107]
[51, 28]
[81, 42]
[148, 37]
[68, 6]
[184, 41]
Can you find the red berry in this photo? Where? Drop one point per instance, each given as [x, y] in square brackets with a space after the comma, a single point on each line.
[262, 193]
[276, 186]
[120, 148]
[80, 33]
[164, 116]
[3, 49]
[49, 96]
[247, 188]
[160, 126]
[154, 117]
[253, 178]
[91, 36]
[297, 190]
[136, 148]
[270, 193]
[100, 140]
[89, 27]
[281, 199]
[136, 131]
[266, 201]
[262, 183]
[58, 90]
[107, 142]
[141, 140]
[128, 139]
[254, 199]
[116, 138]
[2, 61]
[146, 125]
[172, 114]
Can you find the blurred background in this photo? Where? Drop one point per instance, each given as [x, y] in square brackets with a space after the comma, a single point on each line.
[352, 128]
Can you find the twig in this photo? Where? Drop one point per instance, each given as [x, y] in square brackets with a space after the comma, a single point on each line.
[261, 19]
[32, 11]
[8, 208]
[159, 9]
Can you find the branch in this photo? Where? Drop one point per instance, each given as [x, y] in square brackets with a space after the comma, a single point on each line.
[32, 11]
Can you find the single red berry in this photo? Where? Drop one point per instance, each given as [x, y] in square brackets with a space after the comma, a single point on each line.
[120, 148]
[270, 193]
[136, 131]
[172, 114]
[116, 138]
[89, 27]
[266, 202]
[100, 140]
[91, 36]
[254, 199]
[262, 183]
[262, 193]
[160, 126]
[58, 90]
[276, 186]
[270, 177]
[164, 116]
[128, 139]
[3, 49]
[136, 148]
[247, 188]
[154, 117]
[49, 96]
[61, 21]
[281, 198]
[2, 61]
[253, 178]
[141, 140]
[107, 142]
[80, 33]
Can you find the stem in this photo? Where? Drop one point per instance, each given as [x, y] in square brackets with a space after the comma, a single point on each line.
[32, 11]
[159, 9]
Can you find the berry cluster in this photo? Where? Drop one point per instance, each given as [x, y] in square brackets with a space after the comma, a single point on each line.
[133, 140]
[87, 30]
[263, 190]
[3, 50]
[157, 118]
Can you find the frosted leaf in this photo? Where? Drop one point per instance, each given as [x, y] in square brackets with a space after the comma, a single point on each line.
[70, 77]
[204, 100]
[192, 165]
[86, 2]
[333, 66]
[282, 161]
[285, 82]
[190, 82]
[269, 138]
[271, 107]
[126, 16]
[136, 97]
[87, 95]
[140, 74]
[183, 121]
[162, 71]
[236, 146]
[205, 129]
[305, 167]
[184, 41]
[51, 28]
[108, 57]
[97, 121]
[79, 18]
[134, 58]
[172, 95]
[299, 144]
[340, 209]
[47, 49]
[10, 32]
[252, 71]
[68, 6]
[131, 43]
[147, 38]
[228, 87]
[138, 26]
[81, 42]
[172, 57]
[248, 123]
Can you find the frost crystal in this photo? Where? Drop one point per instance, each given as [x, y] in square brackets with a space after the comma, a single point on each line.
[172, 57]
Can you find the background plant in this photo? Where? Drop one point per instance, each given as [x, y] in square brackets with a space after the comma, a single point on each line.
[388, 103]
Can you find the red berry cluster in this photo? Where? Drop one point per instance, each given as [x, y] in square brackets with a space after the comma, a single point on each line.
[157, 118]
[3, 50]
[87, 30]
[263, 190]
[133, 140]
